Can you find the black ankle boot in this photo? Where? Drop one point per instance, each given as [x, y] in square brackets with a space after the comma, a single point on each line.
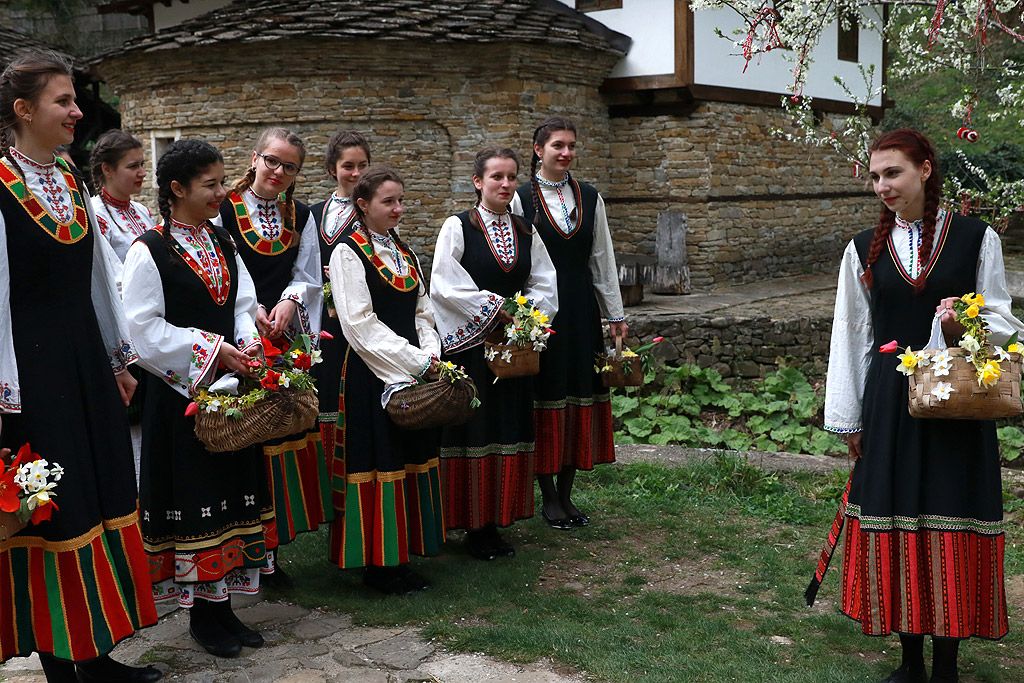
[206, 629]
[106, 670]
[57, 670]
[229, 620]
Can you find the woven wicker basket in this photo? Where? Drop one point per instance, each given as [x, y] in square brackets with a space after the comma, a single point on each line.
[441, 403]
[617, 376]
[525, 361]
[967, 401]
[281, 413]
[10, 525]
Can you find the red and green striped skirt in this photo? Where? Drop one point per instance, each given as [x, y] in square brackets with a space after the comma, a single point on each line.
[299, 484]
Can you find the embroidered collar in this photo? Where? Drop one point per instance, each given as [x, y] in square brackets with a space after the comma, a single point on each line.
[252, 237]
[67, 232]
[344, 201]
[402, 283]
[942, 222]
[500, 217]
[41, 168]
[113, 201]
[547, 183]
[208, 260]
[339, 228]
[578, 210]
[194, 229]
[502, 240]
[259, 197]
[907, 225]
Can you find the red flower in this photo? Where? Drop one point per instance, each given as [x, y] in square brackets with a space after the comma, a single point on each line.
[324, 334]
[656, 340]
[303, 361]
[271, 381]
[192, 409]
[269, 350]
[891, 347]
[25, 455]
[42, 512]
[9, 500]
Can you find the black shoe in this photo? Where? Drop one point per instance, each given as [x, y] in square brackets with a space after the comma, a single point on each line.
[905, 674]
[480, 546]
[279, 581]
[562, 524]
[227, 618]
[413, 580]
[106, 670]
[579, 520]
[501, 547]
[386, 580]
[205, 629]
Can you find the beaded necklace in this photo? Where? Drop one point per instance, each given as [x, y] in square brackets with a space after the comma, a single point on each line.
[558, 190]
[386, 241]
[51, 189]
[344, 203]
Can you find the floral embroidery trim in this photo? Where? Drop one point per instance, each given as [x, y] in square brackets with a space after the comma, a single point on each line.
[207, 357]
[475, 329]
[123, 356]
[216, 277]
[934, 522]
[65, 233]
[126, 209]
[10, 398]
[252, 236]
[573, 229]
[501, 236]
[939, 242]
[340, 229]
[402, 283]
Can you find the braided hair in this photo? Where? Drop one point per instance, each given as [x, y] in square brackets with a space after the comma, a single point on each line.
[541, 134]
[109, 149]
[480, 168]
[25, 78]
[245, 182]
[918, 150]
[365, 188]
[183, 161]
[339, 142]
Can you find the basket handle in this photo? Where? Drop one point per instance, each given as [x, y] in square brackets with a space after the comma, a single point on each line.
[937, 340]
[618, 346]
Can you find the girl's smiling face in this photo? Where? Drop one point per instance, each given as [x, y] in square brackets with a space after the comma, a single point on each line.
[349, 167]
[202, 198]
[899, 183]
[557, 154]
[271, 182]
[384, 211]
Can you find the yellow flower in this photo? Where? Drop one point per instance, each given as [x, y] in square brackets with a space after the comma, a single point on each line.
[989, 375]
[1013, 348]
[968, 298]
[521, 300]
[972, 311]
[908, 362]
[979, 299]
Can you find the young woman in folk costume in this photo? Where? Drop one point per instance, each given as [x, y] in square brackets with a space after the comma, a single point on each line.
[118, 169]
[573, 409]
[74, 586]
[386, 479]
[925, 501]
[348, 155]
[190, 305]
[483, 257]
[276, 238]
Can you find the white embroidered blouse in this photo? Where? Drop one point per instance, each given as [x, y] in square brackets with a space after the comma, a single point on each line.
[465, 313]
[388, 355]
[184, 357]
[306, 285]
[121, 221]
[47, 185]
[338, 213]
[853, 333]
[602, 254]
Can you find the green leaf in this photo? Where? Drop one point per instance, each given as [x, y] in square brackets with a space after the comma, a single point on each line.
[639, 426]
[621, 404]
[234, 413]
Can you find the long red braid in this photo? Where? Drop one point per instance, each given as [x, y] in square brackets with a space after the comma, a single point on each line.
[917, 149]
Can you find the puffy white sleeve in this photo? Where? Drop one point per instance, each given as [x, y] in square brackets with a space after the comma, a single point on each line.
[184, 357]
[306, 286]
[850, 349]
[542, 285]
[516, 206]
[106, 300]
[388, 355]
[465, 313]
[246, 333]
[602, 267]
[992, 286]
[10, 388]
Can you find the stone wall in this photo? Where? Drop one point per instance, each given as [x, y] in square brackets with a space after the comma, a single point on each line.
[738, 346]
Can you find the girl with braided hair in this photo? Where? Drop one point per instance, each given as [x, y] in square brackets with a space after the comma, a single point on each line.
[118, 169]
[572, 408]
[483, 257]
[277, 241]
[74, 586]
[191, 307]
[924, 542]
[348, 155]
[387, 492]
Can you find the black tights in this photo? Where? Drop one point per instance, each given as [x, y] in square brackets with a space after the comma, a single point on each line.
[944, 656]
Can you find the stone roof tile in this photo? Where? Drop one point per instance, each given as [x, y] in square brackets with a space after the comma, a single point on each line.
[533, 21]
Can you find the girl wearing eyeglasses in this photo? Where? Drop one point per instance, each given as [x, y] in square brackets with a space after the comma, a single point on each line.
[276, 238]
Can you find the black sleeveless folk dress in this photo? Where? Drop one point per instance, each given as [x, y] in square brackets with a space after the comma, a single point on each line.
[296, 464]
[387, 488]
[487, 463]
[572, 408]
[78, 584]
[328, 371]
[203, 514]
[924, 545]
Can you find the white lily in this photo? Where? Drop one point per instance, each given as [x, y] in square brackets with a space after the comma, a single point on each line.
[942, 391]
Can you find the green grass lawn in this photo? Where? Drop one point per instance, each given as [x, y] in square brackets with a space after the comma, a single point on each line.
[687, 574]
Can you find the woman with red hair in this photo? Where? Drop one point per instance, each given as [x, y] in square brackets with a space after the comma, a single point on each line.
[924, 546]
